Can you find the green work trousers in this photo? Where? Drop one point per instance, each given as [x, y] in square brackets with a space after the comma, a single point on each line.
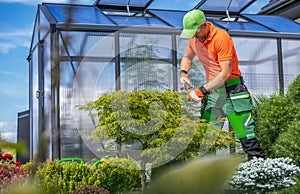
[235, 103]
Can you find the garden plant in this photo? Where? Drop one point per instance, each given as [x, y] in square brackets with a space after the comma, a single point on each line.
[11, 172]
[278, 129]
[153, 120]
[265, 175]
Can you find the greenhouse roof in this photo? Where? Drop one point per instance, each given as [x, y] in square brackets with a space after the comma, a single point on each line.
[121, 4]
[227, 14]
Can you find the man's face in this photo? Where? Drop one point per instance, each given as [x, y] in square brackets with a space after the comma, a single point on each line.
[202, 32]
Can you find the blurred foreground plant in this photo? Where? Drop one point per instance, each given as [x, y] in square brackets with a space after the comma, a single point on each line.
[18, 147]
[201, 176]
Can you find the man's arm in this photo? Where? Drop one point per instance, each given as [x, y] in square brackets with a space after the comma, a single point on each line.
[218, 81]
[222, 77]
[186, 61]
[185, 66]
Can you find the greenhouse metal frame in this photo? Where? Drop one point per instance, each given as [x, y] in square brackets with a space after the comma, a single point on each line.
[80, 52]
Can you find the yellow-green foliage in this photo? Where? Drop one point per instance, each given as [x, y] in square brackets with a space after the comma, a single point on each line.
[152, 119]
[164, 124]
[9, 147]
[114, 174]
[119, 175]
[55, 177]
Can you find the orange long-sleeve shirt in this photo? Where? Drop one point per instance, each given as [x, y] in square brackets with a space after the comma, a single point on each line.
[217, 47]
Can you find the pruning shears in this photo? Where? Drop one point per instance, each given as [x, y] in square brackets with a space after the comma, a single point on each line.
[187, 87]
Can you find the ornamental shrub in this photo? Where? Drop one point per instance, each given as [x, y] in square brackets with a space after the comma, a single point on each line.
[163, 125]
[54, 177]
[293, 91]
[273, 117]
[265, 175]
[114, 174]
[118, 175]
[11, 173]
[288, 144]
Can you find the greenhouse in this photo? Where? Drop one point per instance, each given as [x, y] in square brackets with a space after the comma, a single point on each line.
[81, 52]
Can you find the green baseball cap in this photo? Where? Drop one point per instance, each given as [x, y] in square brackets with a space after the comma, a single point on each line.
[191, 22]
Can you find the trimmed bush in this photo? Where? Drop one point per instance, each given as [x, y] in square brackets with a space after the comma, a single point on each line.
[117, 175]
[114, 174]
[54, 177]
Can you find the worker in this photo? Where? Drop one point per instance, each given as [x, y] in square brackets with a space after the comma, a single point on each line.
[225, 93]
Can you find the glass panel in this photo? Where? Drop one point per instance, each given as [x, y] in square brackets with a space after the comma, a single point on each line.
[255, 7]
[88, 44]
[146, 62]
[35, 38]
[44, 25]
[69, 134]
[34, 102]
[258, 63]
[99, 44]
[92, 80]
[174, 5]
[277, 23]
[47, 89]
[89, 81]
[171, 17]
[136, 3]
[291, 58]
[245, 26]
[78, 14]
[221, 5]
[82, 80]
[137, 21]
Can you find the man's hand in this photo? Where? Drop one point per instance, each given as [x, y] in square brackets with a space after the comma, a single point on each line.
[197, 94]
[185, 80]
